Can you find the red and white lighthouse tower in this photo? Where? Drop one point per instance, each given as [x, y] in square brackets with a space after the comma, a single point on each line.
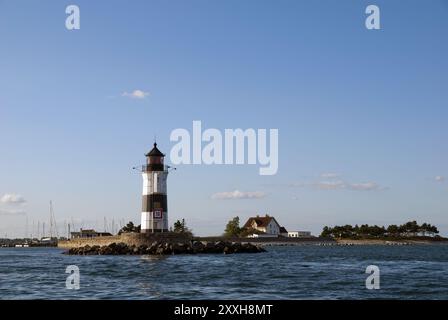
[155, 205]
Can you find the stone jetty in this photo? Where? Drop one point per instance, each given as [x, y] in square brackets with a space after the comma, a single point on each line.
[167, 248]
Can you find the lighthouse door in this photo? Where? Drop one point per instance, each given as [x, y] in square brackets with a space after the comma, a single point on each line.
[157, 219]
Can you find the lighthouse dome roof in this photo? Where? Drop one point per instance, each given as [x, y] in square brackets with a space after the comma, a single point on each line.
[155, 152]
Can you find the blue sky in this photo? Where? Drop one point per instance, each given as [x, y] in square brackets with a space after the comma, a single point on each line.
[367, 106]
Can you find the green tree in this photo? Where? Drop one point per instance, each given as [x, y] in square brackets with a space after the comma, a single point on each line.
[393, 230]
[181, 227]
[129, 227]
[411, 228]
[424, 229]
[432, 230]
[326, 232]
[233, 228]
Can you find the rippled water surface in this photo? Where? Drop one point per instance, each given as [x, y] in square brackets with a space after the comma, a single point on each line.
[300, 272]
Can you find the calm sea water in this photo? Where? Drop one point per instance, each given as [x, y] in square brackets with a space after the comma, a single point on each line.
[301, 272]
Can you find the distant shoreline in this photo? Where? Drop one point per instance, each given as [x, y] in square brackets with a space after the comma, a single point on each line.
[321, 241]
[348, 242]
[391, 242]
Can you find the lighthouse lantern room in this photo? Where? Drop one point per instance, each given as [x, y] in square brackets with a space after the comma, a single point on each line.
[154, 206]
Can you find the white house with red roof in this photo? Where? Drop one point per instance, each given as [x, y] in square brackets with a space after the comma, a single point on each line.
[268, 227]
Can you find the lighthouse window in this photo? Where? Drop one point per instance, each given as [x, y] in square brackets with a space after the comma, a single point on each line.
[156, 160]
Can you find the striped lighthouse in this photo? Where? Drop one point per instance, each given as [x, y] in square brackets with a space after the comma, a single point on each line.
[154, 207]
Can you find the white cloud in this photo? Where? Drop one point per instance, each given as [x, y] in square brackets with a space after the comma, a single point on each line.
[340, 185]
[10, 198]
[12, 213]
[232, 195]
[366, 186]
[136, 94]
[331, 185]
[439, 178]
[330, 175]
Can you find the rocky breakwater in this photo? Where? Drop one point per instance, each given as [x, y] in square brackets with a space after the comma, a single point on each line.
[166, 248]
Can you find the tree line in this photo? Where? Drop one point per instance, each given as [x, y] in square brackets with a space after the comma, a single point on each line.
[409, 229]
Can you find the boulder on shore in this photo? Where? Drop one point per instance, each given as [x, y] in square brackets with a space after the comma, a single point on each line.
[166, 248]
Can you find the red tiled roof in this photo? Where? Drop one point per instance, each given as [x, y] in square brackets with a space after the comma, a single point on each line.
[261, 222]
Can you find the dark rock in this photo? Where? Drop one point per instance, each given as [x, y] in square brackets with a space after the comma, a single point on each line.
[95, 250]
[142, 249]
[167, 248]
[198, 247]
